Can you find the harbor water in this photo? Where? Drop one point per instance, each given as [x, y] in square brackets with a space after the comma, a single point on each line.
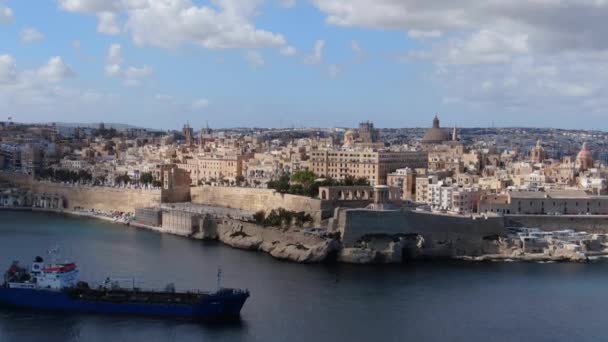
[418, 301]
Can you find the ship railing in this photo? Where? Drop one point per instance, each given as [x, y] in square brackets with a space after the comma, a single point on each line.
[116, 286]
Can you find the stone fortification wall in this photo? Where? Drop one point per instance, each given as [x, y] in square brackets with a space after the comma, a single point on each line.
[258, 199]
[588, 223]
[100, 198]
[180, 222]
[429, 235]
[358, 223]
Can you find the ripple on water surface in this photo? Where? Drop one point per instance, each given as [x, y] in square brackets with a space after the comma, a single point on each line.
[425, 301]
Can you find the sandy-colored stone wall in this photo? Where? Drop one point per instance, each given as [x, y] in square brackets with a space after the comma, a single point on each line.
[257, 199]
[358, 223]
[100, 198]
[443, 235]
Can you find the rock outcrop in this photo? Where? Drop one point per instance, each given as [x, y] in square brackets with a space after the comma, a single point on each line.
[290, 244]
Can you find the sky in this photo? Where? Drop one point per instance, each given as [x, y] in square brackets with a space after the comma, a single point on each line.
[305, 63]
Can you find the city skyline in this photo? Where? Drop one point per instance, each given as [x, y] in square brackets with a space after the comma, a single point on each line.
[254, 63]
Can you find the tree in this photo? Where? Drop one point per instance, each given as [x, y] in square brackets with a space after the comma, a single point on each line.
[239, 180]
[122, 179]
[304, 177]
[362, 181]
[348, 181]
[259, 217]
[84, 176]
[281, 185]
[146, 178]
[100, 180]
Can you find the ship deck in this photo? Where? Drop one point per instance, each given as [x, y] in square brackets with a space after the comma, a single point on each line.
[136, 296]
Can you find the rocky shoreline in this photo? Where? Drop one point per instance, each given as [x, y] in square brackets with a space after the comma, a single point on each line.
[290, 245]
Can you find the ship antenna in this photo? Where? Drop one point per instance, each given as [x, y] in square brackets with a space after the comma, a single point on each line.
[219, 279]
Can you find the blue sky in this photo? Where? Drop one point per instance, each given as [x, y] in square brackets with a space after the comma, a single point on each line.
[161, 63]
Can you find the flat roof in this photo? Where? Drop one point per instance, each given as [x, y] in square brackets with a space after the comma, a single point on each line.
[554, 194]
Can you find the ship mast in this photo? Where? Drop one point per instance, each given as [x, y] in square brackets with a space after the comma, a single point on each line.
[219, 279]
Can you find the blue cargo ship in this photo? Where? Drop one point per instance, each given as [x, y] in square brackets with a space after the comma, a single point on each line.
[56, 287]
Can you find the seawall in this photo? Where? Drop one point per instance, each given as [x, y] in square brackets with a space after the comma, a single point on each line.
[394, 235]
[100, 198]
[259, 199]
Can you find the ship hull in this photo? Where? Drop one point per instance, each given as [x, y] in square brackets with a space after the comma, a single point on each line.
[214, 307]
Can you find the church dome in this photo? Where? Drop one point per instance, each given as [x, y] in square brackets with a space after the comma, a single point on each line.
[349, 137]
[584, 153]
[584, 159]
[538, 152]
[350, 132]
[435, 135]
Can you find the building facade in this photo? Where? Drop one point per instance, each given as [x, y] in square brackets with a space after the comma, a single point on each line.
[371, 165]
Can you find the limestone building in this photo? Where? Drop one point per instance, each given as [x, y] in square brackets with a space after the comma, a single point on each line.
[538, 154]
[211, 167]
[188, 134]
[371, 165]
[174, 177]
[405, 180]
[552, 202]
[366, 136]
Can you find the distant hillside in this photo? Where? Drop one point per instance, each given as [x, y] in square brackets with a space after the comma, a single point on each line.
[116, 126]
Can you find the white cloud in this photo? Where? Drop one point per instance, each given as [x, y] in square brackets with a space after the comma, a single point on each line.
[550, 24]
[170, 23]
[359, 52]
[91, 6]
[135, 72]
[114, 70]
[30, 35]
[6, 14]
[40, 88]
[571, 82]
[8, 69]
[420, 34]
[107, 23]
[163, 97]
[115, 54]
[317, 55]
[255, 59]
[288, 50]
[131, 75]
[287, 3]
[200, 104]
[354, 45]
[501, 54]
[485, 46]
[334, 70]
[55, 70]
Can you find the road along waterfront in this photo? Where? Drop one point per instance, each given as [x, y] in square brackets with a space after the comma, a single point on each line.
[427, 301]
